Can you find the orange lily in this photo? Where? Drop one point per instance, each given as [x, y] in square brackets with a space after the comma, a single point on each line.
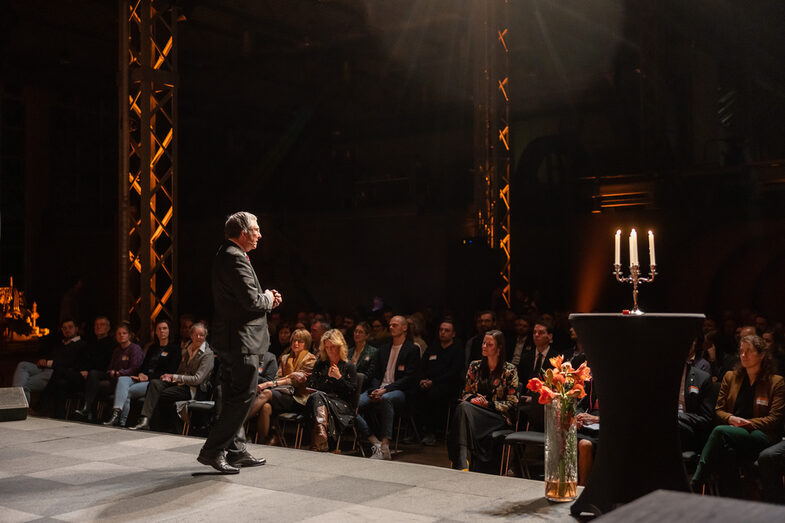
[546, 395]
[577, 391]
[557, 361]
[534, 385]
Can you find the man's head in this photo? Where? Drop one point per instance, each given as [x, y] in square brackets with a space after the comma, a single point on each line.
[398, 328]
[186, 320]
[446, 333]
[243, 229]
[101, 327]
[768, 339]
[522, 326]
[761, 324]
[542, 333]
[318, 328]
[69, 329]
[747, 330]
[486, 321]
[284, 335]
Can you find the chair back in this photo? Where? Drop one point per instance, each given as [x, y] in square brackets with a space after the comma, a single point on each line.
[359, 380]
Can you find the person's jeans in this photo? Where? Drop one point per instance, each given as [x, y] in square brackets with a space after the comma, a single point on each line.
[31, 378]
[125, 391]
[386, 410]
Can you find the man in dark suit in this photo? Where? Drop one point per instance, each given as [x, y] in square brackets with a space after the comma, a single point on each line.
[396, 380]
[240, 337]
[696, 408]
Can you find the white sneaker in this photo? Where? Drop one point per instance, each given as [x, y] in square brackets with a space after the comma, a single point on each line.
[376, 451]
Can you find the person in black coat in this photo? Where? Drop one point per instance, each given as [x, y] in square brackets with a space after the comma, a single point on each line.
[442, 378]
[240, 336]
[696, 408]
[395, 381]
[330, 408]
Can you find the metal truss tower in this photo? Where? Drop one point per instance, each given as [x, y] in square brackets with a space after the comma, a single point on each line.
[492, 133]
[147, 224]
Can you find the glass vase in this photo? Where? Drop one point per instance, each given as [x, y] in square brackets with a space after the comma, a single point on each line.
[561, 450]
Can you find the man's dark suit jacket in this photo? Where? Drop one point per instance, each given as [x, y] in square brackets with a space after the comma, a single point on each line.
[240, 324]
[699, 398]
[526, 366]
[407, 367]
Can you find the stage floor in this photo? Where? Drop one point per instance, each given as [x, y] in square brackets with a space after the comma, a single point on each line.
[67, 471]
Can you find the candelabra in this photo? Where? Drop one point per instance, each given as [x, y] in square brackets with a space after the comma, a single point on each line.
[636, 279]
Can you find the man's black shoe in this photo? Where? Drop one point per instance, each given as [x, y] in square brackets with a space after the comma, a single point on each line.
[244, 459]
[144, 424]
[218, 463]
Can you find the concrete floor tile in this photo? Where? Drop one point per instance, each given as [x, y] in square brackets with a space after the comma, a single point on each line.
[216, 498]
[30, 462]
[102, 452]
[9, 515]
[157, 441]
[363, 514]
[85, 473]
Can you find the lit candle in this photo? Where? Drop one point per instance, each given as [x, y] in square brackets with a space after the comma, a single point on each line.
[652, 260]
[617, 257]
[633, 248]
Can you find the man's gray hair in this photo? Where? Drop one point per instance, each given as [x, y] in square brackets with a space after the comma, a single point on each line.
[238, 223]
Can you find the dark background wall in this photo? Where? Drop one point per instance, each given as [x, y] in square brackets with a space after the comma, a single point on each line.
[348, 127]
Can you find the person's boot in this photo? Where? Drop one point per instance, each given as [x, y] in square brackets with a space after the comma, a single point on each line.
[319, 434]
[144, 424]
[115, 419]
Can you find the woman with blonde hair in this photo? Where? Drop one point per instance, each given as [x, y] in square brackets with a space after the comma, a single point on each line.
[288, 391]
[329, 408]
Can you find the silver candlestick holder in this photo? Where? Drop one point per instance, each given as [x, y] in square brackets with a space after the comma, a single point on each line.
[636, 279]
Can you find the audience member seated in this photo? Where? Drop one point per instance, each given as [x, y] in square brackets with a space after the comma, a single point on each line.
[442, 377]
[193, 372]
[281, 341]
[485, 321]
[588, 422]
[771, 464]
[329, 408]
[395, 380]
[416, 324]
[577, 357]
[696, 407]
[521, 342]
[535, 362]
[126, 359]
[750, 409]
[318, 328]
[186, 322]
[776, 347]
[70, 379]
[288, 391]
[99, 351]
[162, 357]
[268, 367]
[34, 377]
[488, 403]
[365, 357]
[380, 335]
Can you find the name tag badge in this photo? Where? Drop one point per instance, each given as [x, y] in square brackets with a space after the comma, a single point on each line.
[694, 389]
[401, 368]
[164, 354]
[432, 357]
[762, 401]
